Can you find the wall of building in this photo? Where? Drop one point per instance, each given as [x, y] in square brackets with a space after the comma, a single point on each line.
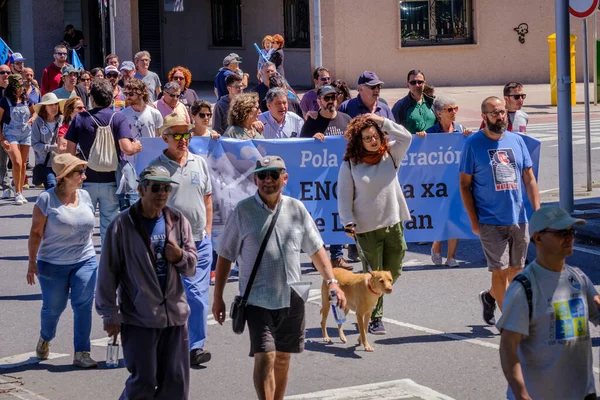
[187, 41]
[360, 35]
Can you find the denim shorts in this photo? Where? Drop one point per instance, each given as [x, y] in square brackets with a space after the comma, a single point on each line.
[18, 139]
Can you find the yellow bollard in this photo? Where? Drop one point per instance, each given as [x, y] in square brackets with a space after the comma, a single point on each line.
[553, 78]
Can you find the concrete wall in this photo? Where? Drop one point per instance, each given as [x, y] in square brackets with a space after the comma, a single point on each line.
[353, 43]
[187, 41]
[127, 30]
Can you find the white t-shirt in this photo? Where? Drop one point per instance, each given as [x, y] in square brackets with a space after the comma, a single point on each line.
[143, 124]
[556, 352]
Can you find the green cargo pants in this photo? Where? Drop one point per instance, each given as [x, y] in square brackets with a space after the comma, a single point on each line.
[384, 250]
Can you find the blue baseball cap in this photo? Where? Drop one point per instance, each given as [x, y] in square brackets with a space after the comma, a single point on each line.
[14, 57]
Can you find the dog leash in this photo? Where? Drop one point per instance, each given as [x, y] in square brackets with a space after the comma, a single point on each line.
[360, 252]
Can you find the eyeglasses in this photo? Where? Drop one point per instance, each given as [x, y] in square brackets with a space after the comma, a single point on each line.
[416, 82]
[329, 97]
[563, 233]
[145, 60]
[367, 139]
[80, 108]
[496, 113]
[450, 109]
[205, 115]
[112, 75]
[84, 79]
[61, 54]
[179, 136]
[325, 79]
[178, 78]
[157, 188]
[4, 72]
[172, 94]
[262, 175]
[518, 96]
[237, 87]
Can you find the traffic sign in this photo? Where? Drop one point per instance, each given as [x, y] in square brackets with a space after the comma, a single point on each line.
[582, 8]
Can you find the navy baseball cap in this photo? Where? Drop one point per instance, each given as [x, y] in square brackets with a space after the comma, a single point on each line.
[369, 78]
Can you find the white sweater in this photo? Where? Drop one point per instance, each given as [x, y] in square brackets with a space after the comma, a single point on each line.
[370, 196]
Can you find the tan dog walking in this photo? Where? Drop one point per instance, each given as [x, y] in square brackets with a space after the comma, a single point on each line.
[362, 293]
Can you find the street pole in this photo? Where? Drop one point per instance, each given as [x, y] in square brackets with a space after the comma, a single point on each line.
[595, 68]
[112, 14]
[317, 31]
[565, 136]
[586, 99]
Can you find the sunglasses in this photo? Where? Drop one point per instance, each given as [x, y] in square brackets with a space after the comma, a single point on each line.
[563, 233]
[450, 109]
[80, 171]
[179, 136]
[329, 97]
[172, 95]
[61, 54]
[262, 175]
[415, 82]
[496, 113]
[80, 108]
[112, 75]
[205, 115]
[129, 94]
[178, 78]
[325, 79]
[376, 87]
[157, 188]
[19, 86]
[518, 96]
[4, 72]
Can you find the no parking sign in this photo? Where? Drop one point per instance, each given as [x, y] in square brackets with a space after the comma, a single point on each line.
[582, 8]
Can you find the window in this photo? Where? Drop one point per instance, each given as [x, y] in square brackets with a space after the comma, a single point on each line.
[296, 16]
[435, 22]
[226, 22]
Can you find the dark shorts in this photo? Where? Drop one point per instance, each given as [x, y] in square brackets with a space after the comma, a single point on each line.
[277, 330]
[504, 246]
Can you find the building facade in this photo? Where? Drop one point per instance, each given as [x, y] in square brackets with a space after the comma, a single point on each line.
[456, 42]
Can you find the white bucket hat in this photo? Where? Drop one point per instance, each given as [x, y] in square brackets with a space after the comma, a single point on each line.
[49, 99]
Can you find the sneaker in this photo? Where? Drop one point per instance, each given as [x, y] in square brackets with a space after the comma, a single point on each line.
[42, 350]
[25, 201]
[488, 308]
[7, 194]
[341, 263]
[82, 359]
[451, 262]
[199, 356]
[353, 256]
[376, 327]
[436, 258]
[213, 275]
[19, 199]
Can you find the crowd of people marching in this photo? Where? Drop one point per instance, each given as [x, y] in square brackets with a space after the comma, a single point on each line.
[156, 224]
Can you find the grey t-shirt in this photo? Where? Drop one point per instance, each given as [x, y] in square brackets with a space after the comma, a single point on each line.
[518, 121]
[556, 352]
[143, 124]
[67, 236]
[188, 196]
[152, 82]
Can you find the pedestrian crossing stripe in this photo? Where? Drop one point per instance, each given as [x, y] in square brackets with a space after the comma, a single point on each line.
[391, 390]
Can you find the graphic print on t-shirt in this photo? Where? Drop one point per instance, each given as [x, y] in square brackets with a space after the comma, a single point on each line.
[158, 242]
[570, 319]
[504, 169]
[333, 131]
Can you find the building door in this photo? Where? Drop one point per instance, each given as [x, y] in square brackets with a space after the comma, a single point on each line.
[150, 33]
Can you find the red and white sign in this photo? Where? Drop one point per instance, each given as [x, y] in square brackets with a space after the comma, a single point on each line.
[582, 8]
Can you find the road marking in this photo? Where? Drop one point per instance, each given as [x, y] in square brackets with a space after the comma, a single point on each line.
[212, 321]
[24, 359]
[586, 250]
[391, 390]
[18, 391]
[103, 342]
[548, 190]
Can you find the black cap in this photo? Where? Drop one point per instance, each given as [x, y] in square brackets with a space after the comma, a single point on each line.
[325, 90]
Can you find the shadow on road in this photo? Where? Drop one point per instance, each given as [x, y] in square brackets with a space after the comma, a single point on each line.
[15, 258]
[22, 297]
[17, 237]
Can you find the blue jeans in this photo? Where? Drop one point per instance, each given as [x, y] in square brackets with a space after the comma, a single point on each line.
[197, 293]
[336, 251]
[104, 194]
[50, 180]
[57, 281]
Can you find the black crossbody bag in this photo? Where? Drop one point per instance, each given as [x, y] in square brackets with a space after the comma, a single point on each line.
[238, 307]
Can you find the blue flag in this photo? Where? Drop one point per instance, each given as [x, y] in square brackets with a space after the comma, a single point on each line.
[76, 61]
[5, 52]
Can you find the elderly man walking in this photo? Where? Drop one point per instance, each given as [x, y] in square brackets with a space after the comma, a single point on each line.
[367, 101]
[275, 310]
[170, 103]
[545, 344]
[278, 122]
[142, 72]
[147, 248]
[191, 196]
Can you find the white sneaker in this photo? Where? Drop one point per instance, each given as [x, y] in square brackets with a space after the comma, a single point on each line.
[451, 262]
[7, 194]
[25, 201]
[19, 199]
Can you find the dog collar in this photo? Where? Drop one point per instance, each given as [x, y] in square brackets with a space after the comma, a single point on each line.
[372, 291]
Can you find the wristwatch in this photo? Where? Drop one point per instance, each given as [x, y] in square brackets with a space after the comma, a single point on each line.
[330, 281]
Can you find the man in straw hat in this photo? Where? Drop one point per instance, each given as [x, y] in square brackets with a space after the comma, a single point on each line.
[147, 248]
[192, 196]
[545, 345]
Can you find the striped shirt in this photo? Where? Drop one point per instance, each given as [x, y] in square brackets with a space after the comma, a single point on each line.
[244, 231]
[291, 127]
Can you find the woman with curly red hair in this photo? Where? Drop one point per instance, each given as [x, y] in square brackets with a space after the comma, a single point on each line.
[370, 200]
[183, 77]
[277, 55]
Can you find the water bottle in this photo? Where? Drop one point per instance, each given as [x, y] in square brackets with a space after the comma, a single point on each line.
[338, 312]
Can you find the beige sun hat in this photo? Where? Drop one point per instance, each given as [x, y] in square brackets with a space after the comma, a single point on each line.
[172, 120]
[64, 163]
[49, 99]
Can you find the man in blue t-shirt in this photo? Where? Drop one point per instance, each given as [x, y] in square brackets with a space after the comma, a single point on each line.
[494, 167]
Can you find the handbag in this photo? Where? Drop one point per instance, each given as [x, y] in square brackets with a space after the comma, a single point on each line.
[238, 306]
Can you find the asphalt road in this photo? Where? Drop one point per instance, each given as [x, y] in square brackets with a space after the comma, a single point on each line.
[436, 346]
